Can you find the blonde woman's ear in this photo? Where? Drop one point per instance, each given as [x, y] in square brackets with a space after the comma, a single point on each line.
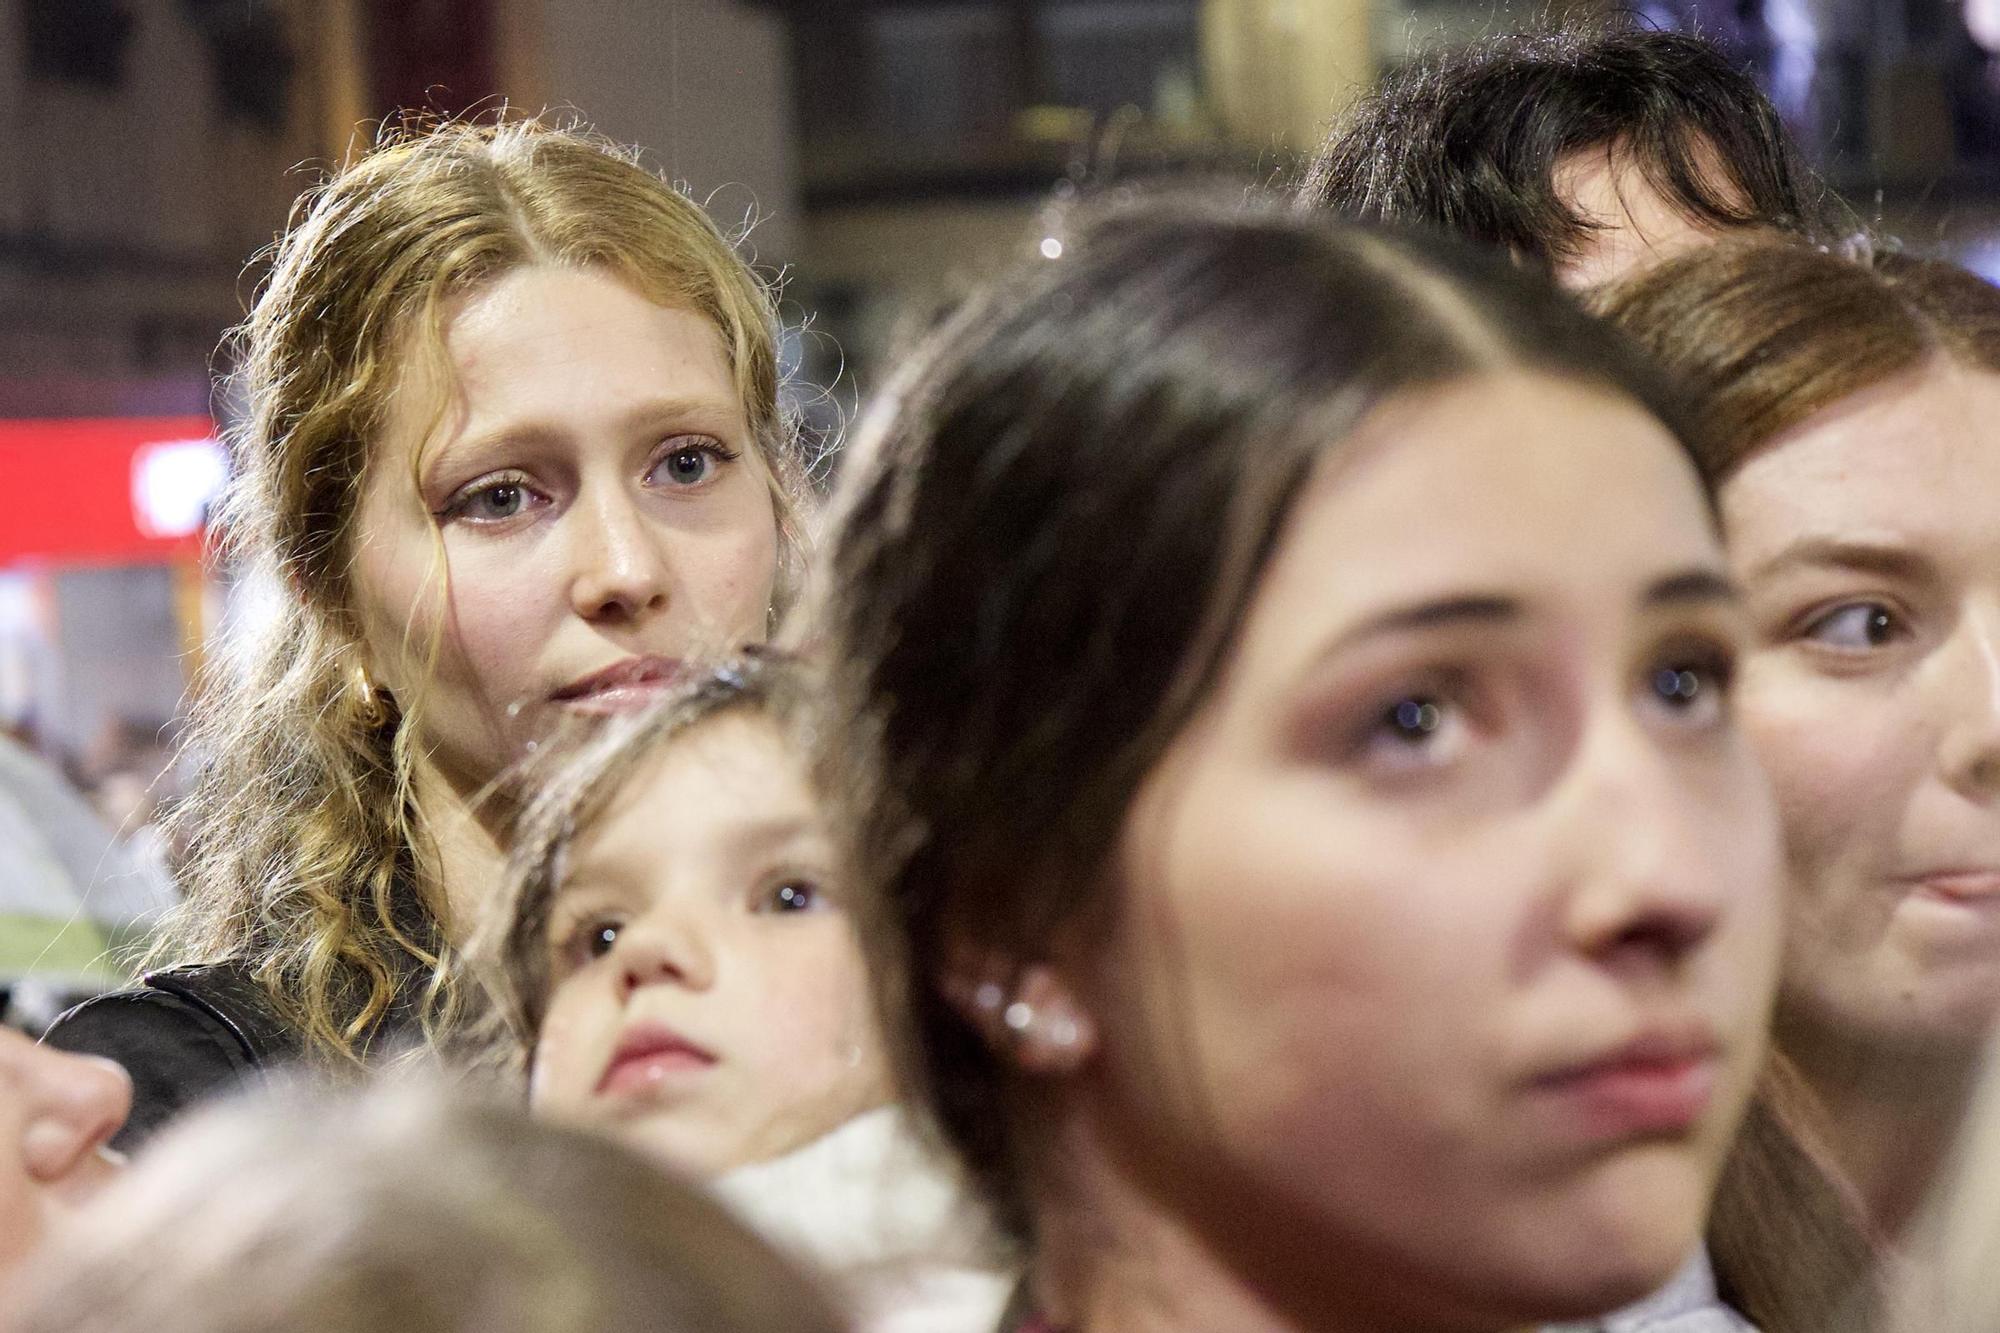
[1028, 1015]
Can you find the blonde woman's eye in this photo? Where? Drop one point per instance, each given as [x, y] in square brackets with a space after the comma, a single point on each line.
[691, 462]
[1856, 628]
[493, 501]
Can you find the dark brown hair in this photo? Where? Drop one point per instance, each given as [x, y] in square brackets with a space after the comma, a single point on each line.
[1468, 141]
[1767, 334]
[1046, 539]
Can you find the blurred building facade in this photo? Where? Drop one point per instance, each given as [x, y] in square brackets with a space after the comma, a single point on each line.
[889, 152]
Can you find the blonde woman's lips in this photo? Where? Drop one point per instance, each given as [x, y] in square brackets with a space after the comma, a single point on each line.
[631, 683]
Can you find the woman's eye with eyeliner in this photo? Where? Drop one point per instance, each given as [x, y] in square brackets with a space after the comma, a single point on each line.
[1422, 729]
[1690, 689]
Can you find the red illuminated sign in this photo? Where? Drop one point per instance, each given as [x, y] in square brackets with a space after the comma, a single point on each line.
[105, 491]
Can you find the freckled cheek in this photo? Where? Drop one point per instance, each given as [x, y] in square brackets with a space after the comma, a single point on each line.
[1836, 758]
[501, 618]
[731, 576]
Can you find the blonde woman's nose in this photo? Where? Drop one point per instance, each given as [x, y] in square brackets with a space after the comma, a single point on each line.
[620, 567]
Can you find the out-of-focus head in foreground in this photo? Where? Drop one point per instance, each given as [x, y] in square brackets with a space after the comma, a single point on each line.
[56, 1113]
[403, 1210]
[1299, 803]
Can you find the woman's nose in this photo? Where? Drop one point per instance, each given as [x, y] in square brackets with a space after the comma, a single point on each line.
[620, 570]
[1651, 874]
[1970, 708]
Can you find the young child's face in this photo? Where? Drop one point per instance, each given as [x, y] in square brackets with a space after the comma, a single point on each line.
[708, 1001]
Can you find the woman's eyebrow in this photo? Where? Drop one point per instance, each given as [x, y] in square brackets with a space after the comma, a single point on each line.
[700, 412]
[1437, 613]
[1845, 553]
[1692, 586]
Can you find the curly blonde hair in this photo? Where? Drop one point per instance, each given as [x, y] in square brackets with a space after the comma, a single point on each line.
[308, 858]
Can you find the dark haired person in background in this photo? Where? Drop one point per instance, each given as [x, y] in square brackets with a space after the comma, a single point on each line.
[1585, 150]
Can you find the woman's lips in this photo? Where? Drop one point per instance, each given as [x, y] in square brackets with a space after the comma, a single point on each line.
[1660, 1084]
[620, 687]
[649, 1058]
[1975, 887]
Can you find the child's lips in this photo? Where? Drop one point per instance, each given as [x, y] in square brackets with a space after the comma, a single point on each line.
[650, 1057]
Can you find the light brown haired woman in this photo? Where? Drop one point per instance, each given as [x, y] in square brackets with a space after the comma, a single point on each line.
[513, 453]
[1852, 413]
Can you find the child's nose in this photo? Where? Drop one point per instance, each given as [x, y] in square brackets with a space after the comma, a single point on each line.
[666, 951]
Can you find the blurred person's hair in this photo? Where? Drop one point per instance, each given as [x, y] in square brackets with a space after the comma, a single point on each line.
[1766, 334]
[565, 787]
[1469, 140]
[405, 1209]
[1949, 1286]
[1048, 533]
[307, 858]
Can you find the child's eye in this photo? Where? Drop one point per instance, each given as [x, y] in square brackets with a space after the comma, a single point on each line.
[590, 941]
[794, 895]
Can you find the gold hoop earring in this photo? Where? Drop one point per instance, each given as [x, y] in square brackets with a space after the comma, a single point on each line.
[370, 701]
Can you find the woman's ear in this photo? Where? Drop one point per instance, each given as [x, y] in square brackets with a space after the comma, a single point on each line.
[1028, 1015]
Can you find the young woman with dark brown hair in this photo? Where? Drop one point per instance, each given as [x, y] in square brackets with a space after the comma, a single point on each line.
[1282, 683]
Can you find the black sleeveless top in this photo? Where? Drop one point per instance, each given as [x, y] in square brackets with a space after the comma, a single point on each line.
[184, 1035]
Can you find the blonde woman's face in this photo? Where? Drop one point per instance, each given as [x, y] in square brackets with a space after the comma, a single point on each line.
[709, 1002]
[1869, 542]
[1448, 928]
[56, 1112]
[590, 511]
